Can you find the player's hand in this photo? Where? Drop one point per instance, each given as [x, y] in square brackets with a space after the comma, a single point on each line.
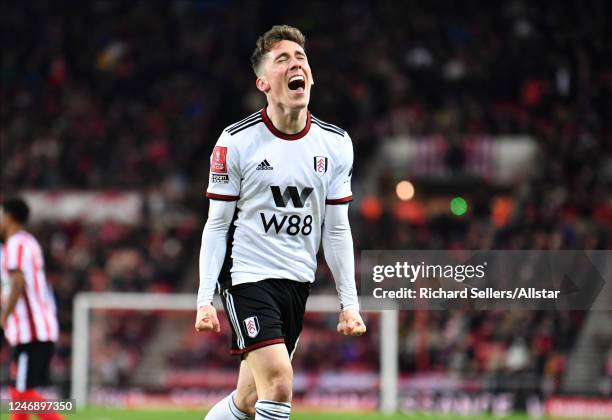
[206, 319]
[350, 323]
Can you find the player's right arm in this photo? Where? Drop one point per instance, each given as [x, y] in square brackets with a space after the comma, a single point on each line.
[212, 254]
[14, 265]
[17, 286]
[223, 192]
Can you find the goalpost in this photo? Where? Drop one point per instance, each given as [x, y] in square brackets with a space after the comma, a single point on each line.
[87, 301]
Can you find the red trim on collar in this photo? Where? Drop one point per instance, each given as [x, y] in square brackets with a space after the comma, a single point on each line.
[280, 134]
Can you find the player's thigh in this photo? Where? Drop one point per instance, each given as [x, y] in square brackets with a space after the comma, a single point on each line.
[270, 364]
[246, 391]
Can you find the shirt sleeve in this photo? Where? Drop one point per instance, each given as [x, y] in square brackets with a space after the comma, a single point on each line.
[225, 175]
[338, 250]
[340, 187]
[213, 248]
[14, 255]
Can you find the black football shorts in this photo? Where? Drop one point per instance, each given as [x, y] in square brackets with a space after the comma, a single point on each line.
[266, 312]
[31, 363]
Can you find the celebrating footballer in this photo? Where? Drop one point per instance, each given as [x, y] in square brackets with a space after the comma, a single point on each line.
[280, 184]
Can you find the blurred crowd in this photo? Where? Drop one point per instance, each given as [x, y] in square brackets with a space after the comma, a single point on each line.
[132, 95]
[510, 349]
[115, 94]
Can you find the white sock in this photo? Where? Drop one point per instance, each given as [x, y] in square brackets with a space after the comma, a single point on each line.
[226, 410]
[272, 410]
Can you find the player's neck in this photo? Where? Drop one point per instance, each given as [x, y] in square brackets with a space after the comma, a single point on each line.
[286, 120]
[11, 230]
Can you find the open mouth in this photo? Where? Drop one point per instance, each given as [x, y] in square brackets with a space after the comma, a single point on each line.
[297, 83]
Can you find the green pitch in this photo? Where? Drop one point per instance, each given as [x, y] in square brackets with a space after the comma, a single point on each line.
[126, 414]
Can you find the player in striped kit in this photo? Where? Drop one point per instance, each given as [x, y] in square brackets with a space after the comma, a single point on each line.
[280, 184]
[28, 314]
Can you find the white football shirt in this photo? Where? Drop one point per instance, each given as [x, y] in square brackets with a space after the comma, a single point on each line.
[281, 183]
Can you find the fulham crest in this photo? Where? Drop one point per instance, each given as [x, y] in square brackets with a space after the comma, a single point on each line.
[320, 164]
[251, 324]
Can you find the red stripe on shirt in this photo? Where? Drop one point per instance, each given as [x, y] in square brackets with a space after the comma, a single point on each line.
[41, 303]
[339, 200]
[31, 323]
[36, 266]
[15, 316]
[34, 334]
[222, 197]
[20, 257]
[14, 331]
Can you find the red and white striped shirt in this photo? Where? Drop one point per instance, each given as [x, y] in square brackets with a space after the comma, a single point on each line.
[34, 317]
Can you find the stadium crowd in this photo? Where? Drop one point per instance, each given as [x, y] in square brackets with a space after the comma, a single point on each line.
[132, 95]
[122, 95]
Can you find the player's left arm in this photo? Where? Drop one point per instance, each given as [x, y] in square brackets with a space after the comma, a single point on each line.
[17, 286]
[338, 242]
[338, 250]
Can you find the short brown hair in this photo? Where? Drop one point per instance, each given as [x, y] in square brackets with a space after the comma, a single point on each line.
[276, 34]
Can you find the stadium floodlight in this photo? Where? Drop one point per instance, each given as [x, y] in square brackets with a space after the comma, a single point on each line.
[85, 302]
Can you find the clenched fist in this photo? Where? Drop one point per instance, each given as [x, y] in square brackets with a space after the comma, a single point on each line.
[206, 319]
[350, 323]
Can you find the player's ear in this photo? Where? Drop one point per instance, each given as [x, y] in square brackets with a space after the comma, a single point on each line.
[262, 84]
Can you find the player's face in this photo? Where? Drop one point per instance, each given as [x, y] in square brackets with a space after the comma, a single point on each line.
[286, 76]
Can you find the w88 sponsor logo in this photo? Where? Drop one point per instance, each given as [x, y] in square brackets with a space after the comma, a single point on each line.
[292, 224]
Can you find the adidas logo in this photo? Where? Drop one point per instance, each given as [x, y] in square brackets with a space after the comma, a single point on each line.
[264, 166]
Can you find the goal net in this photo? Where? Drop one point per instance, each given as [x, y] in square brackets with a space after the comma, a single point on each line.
[135, 349]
